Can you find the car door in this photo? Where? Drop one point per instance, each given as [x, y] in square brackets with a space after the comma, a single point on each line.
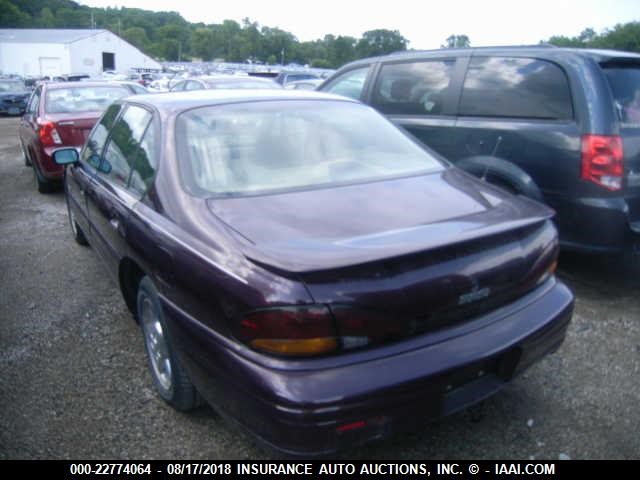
[109, 199]
[78, 177]
[419, 95]
[28, 129]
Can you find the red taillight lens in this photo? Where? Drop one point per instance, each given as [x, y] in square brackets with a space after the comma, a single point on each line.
[49, 135]
[316, 330]
[290, 331]
[602, 160]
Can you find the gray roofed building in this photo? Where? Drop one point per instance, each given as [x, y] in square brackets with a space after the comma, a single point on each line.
[54, 52]
[46, 35]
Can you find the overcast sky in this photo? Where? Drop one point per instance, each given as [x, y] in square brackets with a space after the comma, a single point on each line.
[425, 23]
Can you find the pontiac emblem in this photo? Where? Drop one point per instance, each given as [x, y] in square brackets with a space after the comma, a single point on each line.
[475, 294]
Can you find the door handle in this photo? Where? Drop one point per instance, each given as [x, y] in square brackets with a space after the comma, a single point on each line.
[82, 193]
[115, 223]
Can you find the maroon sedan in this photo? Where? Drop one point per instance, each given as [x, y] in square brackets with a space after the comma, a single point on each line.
[61, 114]
[308, 269]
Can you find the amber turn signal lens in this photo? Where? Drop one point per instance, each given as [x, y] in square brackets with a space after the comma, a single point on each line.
[296, 347]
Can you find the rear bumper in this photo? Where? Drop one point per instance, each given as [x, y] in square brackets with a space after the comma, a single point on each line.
[598, 225]
[321, 406]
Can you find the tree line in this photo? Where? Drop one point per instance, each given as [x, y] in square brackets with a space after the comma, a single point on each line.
[621, 37]
[168, 36]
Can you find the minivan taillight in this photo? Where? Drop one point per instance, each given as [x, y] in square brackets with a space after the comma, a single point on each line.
[48, 134]
[602, 161]
[290, 331]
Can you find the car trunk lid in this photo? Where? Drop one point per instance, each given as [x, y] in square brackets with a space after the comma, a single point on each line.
[73, 128]
[420, 252]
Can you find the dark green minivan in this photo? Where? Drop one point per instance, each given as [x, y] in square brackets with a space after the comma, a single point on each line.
[558, 125]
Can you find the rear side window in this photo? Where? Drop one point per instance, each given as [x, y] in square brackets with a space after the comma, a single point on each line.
[95, 144]
[416, 88]
[191, 85]
[124, 144]
[624, 81]
[33, 102]
[145, 162]
[516, 87]
[349, 84]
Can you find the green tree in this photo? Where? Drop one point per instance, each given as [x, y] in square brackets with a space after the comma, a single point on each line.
[380, 42]
[11, 16]
[46, 19]
[457, 41]
[621, 37]
[340, 50]
[137, 37]
[202, 43]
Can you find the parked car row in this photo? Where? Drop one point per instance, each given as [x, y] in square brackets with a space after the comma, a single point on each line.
[324, 277]
[13, 97]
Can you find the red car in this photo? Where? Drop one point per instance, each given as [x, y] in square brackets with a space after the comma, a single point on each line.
[62, 115]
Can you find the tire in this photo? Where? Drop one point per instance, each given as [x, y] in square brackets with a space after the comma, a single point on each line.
[42, 184]
[170, 379]
[78, 234]
[25, 156]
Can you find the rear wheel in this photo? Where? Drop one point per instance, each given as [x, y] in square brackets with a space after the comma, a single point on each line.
[25, 156]
[42, 184]
[170, 379]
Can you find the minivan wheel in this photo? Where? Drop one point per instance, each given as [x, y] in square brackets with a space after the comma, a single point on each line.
[78, 234]
[170, 379]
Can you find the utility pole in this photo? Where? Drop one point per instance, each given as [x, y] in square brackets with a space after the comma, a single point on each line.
[179, 50]
[119, 28]
[282, 57]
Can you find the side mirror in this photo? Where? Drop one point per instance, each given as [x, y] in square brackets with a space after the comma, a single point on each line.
[66, 156]
[105, 166]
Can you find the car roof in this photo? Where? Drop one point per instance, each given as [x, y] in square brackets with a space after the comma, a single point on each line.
[542, 50]
[178, 101]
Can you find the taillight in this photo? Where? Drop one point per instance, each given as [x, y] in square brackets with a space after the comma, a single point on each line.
[602, 160]
[49, 135]
[317, 330]
[290, 331]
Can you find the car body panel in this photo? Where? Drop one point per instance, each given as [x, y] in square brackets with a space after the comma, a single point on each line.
[208, 282]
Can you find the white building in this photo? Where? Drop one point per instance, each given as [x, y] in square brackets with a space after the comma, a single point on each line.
[54, 52]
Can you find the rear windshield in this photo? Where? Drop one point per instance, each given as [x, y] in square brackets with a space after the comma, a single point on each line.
[624, 81]
[82, 99]
[272, 146]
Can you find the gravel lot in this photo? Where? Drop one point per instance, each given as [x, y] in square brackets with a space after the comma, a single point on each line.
[74, 380]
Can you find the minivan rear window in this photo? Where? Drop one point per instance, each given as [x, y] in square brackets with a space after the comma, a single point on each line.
[624, 81]
[516, 87]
